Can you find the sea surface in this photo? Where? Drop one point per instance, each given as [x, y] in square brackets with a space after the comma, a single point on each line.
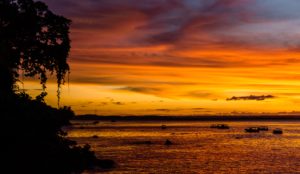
[196, 148]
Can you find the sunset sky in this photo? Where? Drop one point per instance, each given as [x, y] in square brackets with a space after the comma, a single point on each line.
[180, 57]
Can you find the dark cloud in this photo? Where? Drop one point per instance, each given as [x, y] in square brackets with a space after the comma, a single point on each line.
[208, 17]
[182, 24]
[143, 90]
[103, 14]
[204, 110]
[159, 21]
[166, 110]
[198, 94]
[175, 22]
[118, 103]
[154, 60]
[111, 101]
[289, 113]
[103, 104]
[140, 89]
[122, 80]
[251, 97]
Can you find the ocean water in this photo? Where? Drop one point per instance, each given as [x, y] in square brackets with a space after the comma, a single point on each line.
[196, 148]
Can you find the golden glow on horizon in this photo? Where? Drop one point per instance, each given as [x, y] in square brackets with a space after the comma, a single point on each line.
[146, 90]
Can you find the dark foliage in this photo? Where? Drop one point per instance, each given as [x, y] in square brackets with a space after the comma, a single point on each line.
[34, 41]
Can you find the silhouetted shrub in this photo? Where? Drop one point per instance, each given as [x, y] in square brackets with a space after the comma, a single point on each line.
[33, 139]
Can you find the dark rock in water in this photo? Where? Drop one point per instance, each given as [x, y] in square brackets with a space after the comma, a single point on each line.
[219, 126]
[168, 142]
[252, 129]
[95, 136]
[95, 122]
[277, 131]
[263, 128]
[223, 126]
[147, 142]
[105, 163]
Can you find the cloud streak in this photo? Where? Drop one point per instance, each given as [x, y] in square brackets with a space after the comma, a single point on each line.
[251, 97]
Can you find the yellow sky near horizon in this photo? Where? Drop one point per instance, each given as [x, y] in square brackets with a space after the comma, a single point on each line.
[147, 90]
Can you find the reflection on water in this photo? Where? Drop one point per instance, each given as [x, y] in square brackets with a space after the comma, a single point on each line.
[196, 148]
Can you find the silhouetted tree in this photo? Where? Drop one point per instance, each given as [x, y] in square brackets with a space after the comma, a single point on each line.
[33, 41]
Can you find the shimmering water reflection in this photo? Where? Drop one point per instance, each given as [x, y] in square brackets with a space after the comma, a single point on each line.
[196, 148]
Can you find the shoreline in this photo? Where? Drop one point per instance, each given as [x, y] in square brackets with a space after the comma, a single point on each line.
[189, 118]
